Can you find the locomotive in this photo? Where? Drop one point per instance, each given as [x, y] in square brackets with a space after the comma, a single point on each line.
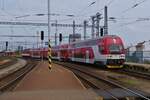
[107, 50]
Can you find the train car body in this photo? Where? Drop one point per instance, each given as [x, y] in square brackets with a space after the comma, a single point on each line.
[107, 50]
[35, 53]
[26, 53]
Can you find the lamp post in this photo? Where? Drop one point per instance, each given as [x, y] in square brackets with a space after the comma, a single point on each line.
[49, 30]
[49, 20]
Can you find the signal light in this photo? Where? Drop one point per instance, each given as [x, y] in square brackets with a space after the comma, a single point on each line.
[6, 43]
[42, 35]
[102, 31]
[60, 37]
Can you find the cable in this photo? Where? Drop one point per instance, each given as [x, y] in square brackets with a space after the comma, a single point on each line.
[109, 3]
[86, 8]
[133, 22]
[83, 14]
[137, 20]
[134, 6]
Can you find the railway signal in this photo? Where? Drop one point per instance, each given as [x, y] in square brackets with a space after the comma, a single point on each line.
[6, 45]
[42, 35]
[42, 38]
[60, 37]
[102, 31]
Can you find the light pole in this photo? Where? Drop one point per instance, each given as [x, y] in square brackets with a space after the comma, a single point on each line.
[49, 30]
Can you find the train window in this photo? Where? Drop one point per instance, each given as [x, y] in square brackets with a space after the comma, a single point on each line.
[115, 48]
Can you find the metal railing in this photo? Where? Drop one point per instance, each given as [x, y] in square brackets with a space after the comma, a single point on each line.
[138, 56]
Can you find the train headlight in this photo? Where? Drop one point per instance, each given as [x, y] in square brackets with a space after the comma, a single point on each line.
[109, 56]
[122, 56]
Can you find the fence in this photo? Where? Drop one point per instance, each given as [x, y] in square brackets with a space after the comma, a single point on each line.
[138, 56]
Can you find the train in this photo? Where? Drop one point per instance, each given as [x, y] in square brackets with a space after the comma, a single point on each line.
[107, 50]
[36, 53]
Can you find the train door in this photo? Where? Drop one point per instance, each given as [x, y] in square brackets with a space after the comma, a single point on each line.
[87, 57]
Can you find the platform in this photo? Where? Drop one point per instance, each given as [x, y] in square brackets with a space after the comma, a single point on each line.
[137, 66]
[56, 84]
[52, 95]
[41, 78]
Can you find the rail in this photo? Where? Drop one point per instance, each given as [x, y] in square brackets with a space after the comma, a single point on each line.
[7, 64]
[9, 80]
[108, 81]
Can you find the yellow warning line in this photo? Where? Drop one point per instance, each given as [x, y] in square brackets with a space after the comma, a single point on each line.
[110, 66]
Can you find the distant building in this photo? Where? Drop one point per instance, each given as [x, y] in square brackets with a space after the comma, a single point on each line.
[147, 46]
[139, 53]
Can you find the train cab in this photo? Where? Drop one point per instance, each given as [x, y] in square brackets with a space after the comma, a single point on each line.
[113, 49]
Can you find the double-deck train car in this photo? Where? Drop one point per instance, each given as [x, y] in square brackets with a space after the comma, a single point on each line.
[26, 53]
[35, 53]
[107, 50]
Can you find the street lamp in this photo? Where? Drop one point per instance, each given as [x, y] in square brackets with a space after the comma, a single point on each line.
[49, 45]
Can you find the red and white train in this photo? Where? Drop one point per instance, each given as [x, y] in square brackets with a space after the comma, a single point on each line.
[107, 50]
[35, 53]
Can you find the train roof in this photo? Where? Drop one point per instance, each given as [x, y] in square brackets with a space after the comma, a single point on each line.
[88, 40]
[106, 36]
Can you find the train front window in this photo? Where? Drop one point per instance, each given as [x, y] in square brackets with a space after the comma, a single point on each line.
[115, 48]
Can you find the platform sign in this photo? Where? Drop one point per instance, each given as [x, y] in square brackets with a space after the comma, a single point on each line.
[46, 43]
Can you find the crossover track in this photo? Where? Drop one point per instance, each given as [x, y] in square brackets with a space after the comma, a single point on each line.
[85, 74]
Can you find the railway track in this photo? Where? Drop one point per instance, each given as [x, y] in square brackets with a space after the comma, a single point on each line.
[95, 84]
[13, 61]
[94, 80]
[135, 74]
[8, 82]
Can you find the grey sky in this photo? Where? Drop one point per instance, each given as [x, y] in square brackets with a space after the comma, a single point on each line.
[131, 33]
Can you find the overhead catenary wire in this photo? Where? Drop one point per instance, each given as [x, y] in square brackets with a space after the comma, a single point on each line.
[134, 6]
[110, 2]
[88, 19]
[134, 20]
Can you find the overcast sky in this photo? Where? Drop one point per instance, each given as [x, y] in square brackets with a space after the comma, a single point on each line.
[132, 17]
